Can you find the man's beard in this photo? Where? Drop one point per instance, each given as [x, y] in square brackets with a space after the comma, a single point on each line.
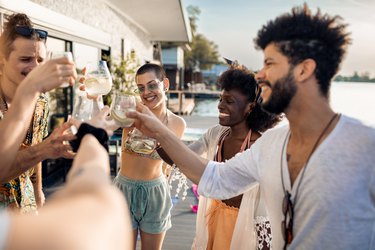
[282, 93]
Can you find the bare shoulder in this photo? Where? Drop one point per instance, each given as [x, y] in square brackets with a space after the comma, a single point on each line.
[176, 123]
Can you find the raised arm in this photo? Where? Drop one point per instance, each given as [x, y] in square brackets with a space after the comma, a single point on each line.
[13, 127]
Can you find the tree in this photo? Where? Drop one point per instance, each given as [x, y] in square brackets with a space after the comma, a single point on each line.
[203, 53]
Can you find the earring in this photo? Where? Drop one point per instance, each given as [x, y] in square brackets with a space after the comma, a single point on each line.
[166, 89]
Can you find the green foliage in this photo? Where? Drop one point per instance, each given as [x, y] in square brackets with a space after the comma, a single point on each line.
[123, 74]
[362, 77]
[204, 53]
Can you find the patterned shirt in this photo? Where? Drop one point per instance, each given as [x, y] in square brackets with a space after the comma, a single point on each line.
[19, 192]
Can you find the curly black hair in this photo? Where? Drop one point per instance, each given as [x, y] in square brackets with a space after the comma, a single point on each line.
[300, 35]
[242, 80]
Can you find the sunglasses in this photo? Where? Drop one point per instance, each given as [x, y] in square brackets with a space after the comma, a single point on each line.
[287, 223]
[27, 32]
[153, 86]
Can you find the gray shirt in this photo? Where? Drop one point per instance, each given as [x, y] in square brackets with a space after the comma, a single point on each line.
[335, 205]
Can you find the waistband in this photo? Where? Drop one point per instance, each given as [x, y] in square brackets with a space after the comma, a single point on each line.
[146, 183]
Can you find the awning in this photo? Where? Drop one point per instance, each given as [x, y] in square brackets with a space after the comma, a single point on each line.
[163, 20]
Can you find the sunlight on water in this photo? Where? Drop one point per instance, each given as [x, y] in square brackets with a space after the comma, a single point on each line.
[352, 99]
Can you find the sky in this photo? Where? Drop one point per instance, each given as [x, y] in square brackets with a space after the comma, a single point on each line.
[233, 24]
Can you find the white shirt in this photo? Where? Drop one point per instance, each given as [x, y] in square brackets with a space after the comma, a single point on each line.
[335, 206]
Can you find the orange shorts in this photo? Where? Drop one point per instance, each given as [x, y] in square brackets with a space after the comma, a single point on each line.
[221, 221]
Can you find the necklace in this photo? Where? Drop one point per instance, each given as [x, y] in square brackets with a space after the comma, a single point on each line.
[308, 158]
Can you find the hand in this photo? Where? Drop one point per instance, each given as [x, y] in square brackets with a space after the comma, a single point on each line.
[52, 74]
[82, 87]
[39, 198]
[101, 120]
[146, 121]
[54, 146]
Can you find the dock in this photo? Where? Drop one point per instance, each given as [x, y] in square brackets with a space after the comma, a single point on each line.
[183, 105]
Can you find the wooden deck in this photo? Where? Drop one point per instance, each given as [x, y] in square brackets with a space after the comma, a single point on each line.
[184, 106]
[181, 235]
[181, 107]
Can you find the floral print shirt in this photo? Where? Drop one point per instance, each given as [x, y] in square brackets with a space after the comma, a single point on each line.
[18, 193]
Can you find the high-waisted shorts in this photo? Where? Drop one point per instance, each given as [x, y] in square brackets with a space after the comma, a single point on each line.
[149, 202]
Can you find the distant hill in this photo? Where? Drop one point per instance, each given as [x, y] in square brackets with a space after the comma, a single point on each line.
[364, 77]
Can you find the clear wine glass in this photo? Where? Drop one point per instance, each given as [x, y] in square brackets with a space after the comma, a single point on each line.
[98, 80]
[59, 54]
[121, 104]
[82, 109]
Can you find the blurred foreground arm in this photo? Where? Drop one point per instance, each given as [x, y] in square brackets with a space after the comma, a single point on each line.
[87, 213]
[191, 164]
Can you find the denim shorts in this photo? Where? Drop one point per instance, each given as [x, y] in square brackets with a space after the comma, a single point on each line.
[149, 202]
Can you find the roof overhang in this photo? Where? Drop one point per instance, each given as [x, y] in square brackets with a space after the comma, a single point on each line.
[162, 20]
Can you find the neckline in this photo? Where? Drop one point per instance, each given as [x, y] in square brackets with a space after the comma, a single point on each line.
[245, 144]
[300, 178]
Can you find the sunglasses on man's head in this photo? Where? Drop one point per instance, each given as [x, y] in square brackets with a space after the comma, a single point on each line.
[27, 32]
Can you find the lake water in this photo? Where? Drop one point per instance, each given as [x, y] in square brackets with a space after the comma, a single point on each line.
[352, 99]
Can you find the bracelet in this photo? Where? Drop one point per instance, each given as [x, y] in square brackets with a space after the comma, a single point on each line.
[85, 128]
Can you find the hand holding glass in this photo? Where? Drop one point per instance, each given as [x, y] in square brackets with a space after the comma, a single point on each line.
[121, 104]
[60, 54]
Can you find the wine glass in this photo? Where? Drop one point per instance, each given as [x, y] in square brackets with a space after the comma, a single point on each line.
[60, 54]
[82, 109]
[121, 104]
[98, 80]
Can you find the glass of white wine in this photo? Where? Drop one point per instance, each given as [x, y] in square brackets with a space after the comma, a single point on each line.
[98, 80]
[121, 104]
[60, 54]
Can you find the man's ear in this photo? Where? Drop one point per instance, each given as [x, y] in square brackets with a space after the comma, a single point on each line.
[305, 69]
[166, 84]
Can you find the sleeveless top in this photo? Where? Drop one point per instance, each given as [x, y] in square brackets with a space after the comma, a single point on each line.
[129, 147]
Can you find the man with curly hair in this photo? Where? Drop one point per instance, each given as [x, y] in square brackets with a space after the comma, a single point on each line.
[317, 173]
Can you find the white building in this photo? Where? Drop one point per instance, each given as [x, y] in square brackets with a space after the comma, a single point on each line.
[92, 28]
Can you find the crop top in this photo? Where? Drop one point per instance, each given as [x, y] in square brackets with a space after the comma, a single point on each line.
[141, 145]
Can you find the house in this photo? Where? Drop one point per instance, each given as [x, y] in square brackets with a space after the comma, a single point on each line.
[96, 29]
[99, 29]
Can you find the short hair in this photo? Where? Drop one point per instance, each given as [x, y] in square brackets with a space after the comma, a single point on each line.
[300, 35]
[151, 67]
[242, 80]
[9, 34]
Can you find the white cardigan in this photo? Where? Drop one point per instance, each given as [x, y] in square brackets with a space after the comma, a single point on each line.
[244, 235]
